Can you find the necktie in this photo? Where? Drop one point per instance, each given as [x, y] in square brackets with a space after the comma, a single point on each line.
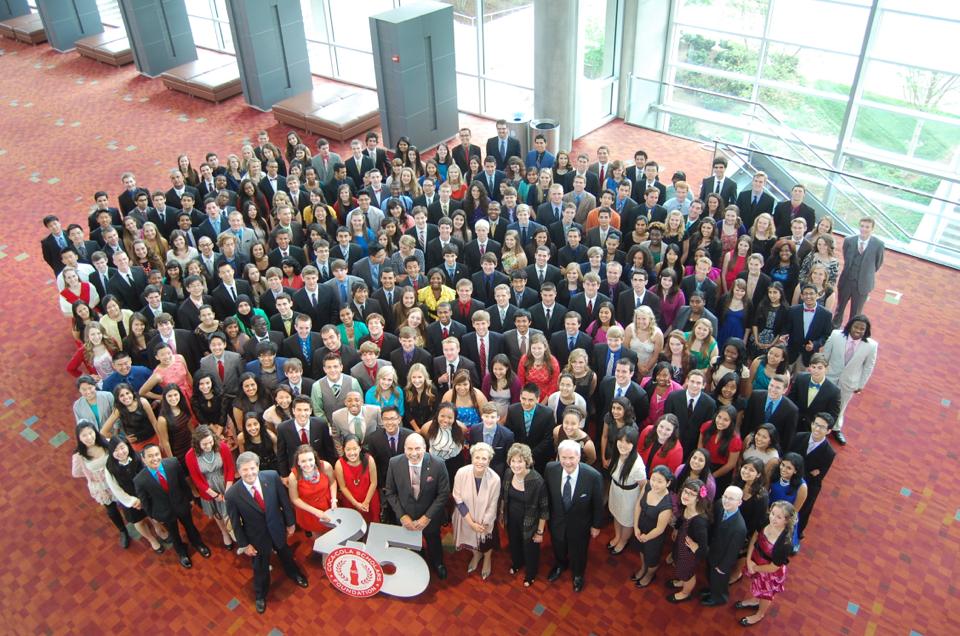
[523, 345]
[483, 358]
[603, 174]
[233, 293]
[305, 348]
[523, 235]
[83, 250]
[121, 329]
[571, 343]
[611, 360]
[415, 481]
[445, 331]
[860, 246]
[619, 392]
[848, 353]
[690, 408]
[540, 275]
[389, 298]
[567, 493]
[393, 445]
[163, 482]
[336, 391]
[313, 299]
[503, 149]
[129, 277]
[548, 312]
[423, 237]
[343, 293]
[295, 389]
[259, 499]
[220, 370]
[358, 427]
[450, 374]
[61, 242]
[755, 200]
[172, 343]
[323, 272]
[556, 213]
[768, 412]
[303, 436]
[483, 248]
[589, 308]
[489, 184]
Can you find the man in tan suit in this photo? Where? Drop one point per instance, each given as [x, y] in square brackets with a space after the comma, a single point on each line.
[355, 418]
[581, 198]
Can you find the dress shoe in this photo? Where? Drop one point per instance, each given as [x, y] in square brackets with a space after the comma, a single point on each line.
[185, 562]
[555, 573]
[442, 572]
[527, 582]
[746, 623]
[745, 605]
[711, 602]
[261, 605]
[840, 437]
[577, 583]
[204, 551]
[160, 550]
[229, 546]
[704, 594]
[673, 598]
[302, 581]
[124, 539]
[167, 539]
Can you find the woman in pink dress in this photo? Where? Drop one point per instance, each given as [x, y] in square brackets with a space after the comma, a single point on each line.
[658, 385]
[767, 558]
[540, 367]
[172, 369]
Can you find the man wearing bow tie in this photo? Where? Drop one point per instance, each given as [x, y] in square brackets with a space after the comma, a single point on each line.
[813, 393]
[810, 326]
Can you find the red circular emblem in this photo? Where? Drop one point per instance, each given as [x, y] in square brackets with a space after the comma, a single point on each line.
[354, 572]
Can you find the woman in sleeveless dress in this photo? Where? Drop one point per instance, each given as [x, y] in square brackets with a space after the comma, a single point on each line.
[356, 474]
[313, 490]
[652, 516]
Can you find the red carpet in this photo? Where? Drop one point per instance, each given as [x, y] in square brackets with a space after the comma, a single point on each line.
[881, 551]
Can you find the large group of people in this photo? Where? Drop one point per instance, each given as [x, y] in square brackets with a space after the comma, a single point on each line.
[510, 347]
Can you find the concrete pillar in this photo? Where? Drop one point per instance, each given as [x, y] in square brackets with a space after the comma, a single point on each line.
[159, 34]
[271, 47]
[555, 70]
[66, 21]
[13, 9]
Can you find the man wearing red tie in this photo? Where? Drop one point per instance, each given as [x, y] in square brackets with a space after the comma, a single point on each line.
[262, 518]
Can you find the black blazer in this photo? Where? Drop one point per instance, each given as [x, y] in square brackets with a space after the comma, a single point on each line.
[462, 159]
[749, 212]
[433, 257]
[827, 400]
[560, 346]
[466, 318]
[579, 304]
[784, 418]
[435, 210]
[502, 441]
[327, 310]
[627, 305]
[820, 329]
[159, 504]
[540, 437]
[708, 287]
[592, 185]
[635, 393]
[782, 217]
[129, 295]
[419, 355]
[348, 356]
[188, 314]
[440, 367]
[498, 325]
[690, 425]
[600, 360]
[470, 350]
[223, 304]
[585, 513]
[479, 288]
[250, 349]
[552, 274]
[288, 441]
[728, 191]
[434, 489]
[536, 503]
[435, 335]
[127, 200]
[186, 347]
[538, 316]
[726, 540]
[51, 252]
[493, 150]
[290, 348]
[820, 459]
[275, 258]
[263, 529]
[268, 302]
[378, 445]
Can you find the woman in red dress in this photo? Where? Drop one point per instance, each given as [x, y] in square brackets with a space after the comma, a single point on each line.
[660, 444]
[75, 289]
[767, 558]
[540, 367]
[313, 490]
[356, 474]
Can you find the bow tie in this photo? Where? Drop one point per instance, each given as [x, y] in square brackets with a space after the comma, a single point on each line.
[814, 385]
[809, 311]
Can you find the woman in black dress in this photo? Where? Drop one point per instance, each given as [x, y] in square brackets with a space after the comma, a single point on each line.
[690, 540]
[756, 501]
[122, 466]
[210, 407]
[652, 518]
[258, 439]
[524, 509]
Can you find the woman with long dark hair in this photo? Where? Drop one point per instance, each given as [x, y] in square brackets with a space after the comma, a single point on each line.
[257, 438]
[651, 519]
[356, 474]
[137, 423]
[123, 465]
[719, 437]
[176, 418]
[212, 472]
[445, 437]
[660, 444]
[627, 476]
[753, 481]
[690, 538]
[770, 322]
[620, 417]
[90, 461]
[787, 484]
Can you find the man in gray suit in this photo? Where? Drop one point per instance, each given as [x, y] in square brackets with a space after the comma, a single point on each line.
[355, 418]
[244, 235]
[329, 393]
[342, 283]
[225, 365]
[324, 160]
[365, 371]
[862, 258]
[417, 489]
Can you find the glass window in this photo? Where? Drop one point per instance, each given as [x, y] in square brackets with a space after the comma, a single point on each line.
[501, 97]
[319, 55]
[351, 21]
[818, 23]
[468, 93]
[916, 41]
[715, 84]
[821, 70]
[465, 35]
[598, 37]
[314, 20]
[809, 113]
[356, 67]
[110, 13]
[719, 51]
[744, 16]
[506, 21]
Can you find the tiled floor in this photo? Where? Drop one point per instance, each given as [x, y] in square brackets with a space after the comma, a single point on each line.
[882, 550]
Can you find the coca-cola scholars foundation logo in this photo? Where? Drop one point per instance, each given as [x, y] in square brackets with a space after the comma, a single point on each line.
[354, 572]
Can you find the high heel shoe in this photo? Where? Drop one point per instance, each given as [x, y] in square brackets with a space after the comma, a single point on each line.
[472, 566]
[636, 578]
[638, 584]
[485, 573]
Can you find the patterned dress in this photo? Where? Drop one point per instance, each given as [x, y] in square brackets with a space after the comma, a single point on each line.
[765, 585]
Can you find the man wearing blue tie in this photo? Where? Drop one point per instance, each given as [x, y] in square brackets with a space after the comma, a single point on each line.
[502, 146]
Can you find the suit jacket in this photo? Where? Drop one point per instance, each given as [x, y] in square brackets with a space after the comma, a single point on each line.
[223, 303]
[587, 203]
[471, 256]
[466, 318]
[380, 160]
[290, 348]
[159, 504]
[851, 375]
[327, 310]
[827, 400]
[502, 441]
[362, 269]
[592, 185]
[709, 288]
[627, 305]
[540, 437]
[784, 418]
[498, 178]
[538, 317]
[726, 540]
[419, 355]
[434, 489]
[820, 459]
[51, 251]
[263, 529]
[690, 424]
[560, 346]
[820, 328]
[683, 315]
[359, 373]
[579, 304]
[641, 184]
[129, 295]
[470, 349]
[288, 441]
[493, 150]
[232, 369]
[340, 425]
[186, 346]
[526, 300]
[783, 217]
[434, 254]
[870, 262]
[435, 209]
[275, 258]
[479, 288]
[268, 301]
[435, 335]
[587, 509]
[250, 349]
[462, 159]
[440, 368]
[378, 445]
[511, 344]
[188, 314]
[267, 188]
[599, 359]
[606, 390]
[348, 356]
[532, 227]
[297, 236]
[127, 199]
[325, 172]
[749, 212]
[728, 190]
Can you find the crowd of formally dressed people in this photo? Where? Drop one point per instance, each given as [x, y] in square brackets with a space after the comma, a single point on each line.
[512, 347]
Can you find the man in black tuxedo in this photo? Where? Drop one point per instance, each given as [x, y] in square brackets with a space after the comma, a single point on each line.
[358, 164]
[462, 152]
[810, 325]
[409, 354]
[771, 406]
[128, 283]
[576, 510]
[442, 328]
[719, 183]
[379, 155]
[316, 300]
[755, 201]
[532, 424]
[502, 146]
[417, 488]
[606, 356]
[164, 495]
[818, 456]
[813, 393]
[262, 518]
[563, 342]
[475, 250]
[446, 366]
[53, 242]
[226, 295]
[728, 536]
[629, 302]
[547, 315]
[482, 341]
[621, 384]
[692, 407]
[302, 429]
[180, 341]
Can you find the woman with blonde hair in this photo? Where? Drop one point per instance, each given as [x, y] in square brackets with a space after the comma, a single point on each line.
[818, 276]
[476, 494]
[823, 253]
[385, 390]
[676, 351]
[539, 193]
[513, 258]
[764, 234]
[644, 337]
[455, 179]
[154, 240]
[420, 397]
[703, 346]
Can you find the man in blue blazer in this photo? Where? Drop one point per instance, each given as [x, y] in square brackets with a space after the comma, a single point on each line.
[503, 146]
[810, 326]
[540, 157]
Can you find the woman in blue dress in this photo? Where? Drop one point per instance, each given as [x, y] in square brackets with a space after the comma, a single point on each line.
[734, 309]
[789, 485]
[385, 391]
[466, 398]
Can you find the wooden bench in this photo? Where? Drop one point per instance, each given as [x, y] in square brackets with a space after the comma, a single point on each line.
[339, 113]
[26, 28]
[213, 77]
[110, 47]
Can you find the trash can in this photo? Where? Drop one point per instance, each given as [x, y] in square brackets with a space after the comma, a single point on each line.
[517, 127]
[549, 128]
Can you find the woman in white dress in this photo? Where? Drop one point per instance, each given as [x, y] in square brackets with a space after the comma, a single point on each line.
[627, 478]
[644, 337]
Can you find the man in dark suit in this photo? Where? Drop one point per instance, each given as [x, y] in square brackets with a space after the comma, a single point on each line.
[180, 341]
[53, 242]
[173, 195]
[729, 535]
[862, 259]
[315, 300]
[786, 211]
[755, 201]
[303, 429]
[532, 424]
[332, 344]
[226, 295]
[436, 246]
[442, 328]
[163, 215]
[810, 326]
[591, 179]
[692, 407]
[621, 384]
[719, 183]
[606, 356]
[516, 341]
[368, 268]
[551, 211]
[698, 281]
[818, 456]
[647, 179]
[587, 303]
[262, 518]
[84, 248]
[628, 303]
[386, 442]
[408, 355]
[100, 277]
[165, 496]
[358, 164]
[339, 178]
[475, 250]
[486, 281]
[446, 366]
[417, 488]
[462, 152]
[547, 315]
[128, 198]
[443, 205]
[128, 283]
[379, 155]
[773, 407]
[541, 271]
[302, 344]
[521, 295]
[502, 146]
[481, 340]
[284, 251]
[576, 510]
[491, 178]
[813, 393]
[563, 342]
